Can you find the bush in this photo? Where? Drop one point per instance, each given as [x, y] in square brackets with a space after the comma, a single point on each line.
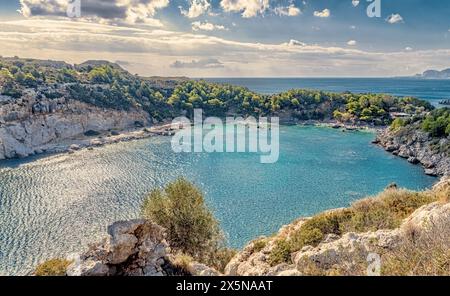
[191, 227]
[258, 245]
[397, 124]
[280, 253]
[181, 264]
[53, 267]
[385, 211]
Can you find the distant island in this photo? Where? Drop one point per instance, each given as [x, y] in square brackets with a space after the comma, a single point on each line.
[435, 74]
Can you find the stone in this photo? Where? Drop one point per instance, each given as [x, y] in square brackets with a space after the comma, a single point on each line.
[74, 147]
[87, 268]
[199, 269]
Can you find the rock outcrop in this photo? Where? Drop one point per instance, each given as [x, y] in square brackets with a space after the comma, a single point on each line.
[349, 254]
[29, 125]
[418, 147]
[133, 248]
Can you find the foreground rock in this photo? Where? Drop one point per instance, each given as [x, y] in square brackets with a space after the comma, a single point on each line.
[133, 248]
[352, 253]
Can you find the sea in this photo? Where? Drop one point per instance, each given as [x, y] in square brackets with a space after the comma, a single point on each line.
[53, 205]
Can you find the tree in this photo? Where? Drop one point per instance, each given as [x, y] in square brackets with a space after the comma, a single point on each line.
[191, 227]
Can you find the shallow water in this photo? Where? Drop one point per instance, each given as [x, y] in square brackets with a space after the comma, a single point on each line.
[58, 204]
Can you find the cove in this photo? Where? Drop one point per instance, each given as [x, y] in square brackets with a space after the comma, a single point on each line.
[58, 204]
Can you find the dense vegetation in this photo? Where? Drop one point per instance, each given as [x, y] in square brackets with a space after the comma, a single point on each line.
[436, 122]
[107, 85]
[191, 227]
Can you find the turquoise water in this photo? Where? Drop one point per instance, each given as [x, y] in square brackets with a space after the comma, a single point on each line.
[427, 89]
[55, 205]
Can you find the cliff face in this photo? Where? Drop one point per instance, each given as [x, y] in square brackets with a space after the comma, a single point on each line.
[418, 147]
[30, 125]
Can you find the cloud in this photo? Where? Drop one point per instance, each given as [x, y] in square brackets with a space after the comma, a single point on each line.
[202, 63]
[206, 26]
[248, 8]
[129, 11]
[294, 42]
[290, 10]
[324, 13]
[352, 42]
[395, 19]
[153, 51]
[408, 48]
[355, 3]
[196, 8]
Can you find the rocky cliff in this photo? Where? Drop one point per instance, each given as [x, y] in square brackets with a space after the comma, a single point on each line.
[418, 147]
[30, 125]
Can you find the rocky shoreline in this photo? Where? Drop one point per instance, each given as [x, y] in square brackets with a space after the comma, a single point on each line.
[18, 142]
[418, 147]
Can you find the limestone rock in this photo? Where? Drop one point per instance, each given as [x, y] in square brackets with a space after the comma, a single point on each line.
[136, 247]
[199, 269]
[30, 124]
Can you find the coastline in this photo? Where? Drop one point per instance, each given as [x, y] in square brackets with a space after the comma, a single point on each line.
[164, 129]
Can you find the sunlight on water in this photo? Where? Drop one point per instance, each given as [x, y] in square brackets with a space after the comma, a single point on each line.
[58, 204]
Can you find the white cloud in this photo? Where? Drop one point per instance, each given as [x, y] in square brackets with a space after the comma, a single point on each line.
[196, 8]
[355, 3]
[408, 48]
[353, 27]
[294, 42]
[324, 13]
[290, 10]
[202, 63]
[153, 51]
[100, 11]
[395, 19]
[249, 8]
[352, 43]
[206, 26]
[114, 11]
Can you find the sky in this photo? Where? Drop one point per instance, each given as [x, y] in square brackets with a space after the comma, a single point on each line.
[234, 38]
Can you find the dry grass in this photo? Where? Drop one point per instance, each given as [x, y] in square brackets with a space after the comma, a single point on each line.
[52, 267]
[387, 210]
[421, 253]
[181, 263]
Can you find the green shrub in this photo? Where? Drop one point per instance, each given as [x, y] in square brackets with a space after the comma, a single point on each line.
[397, 124]
[384, 211]
[219, 258]
[259, 244]
[280, 253]
[53, 267]
[191, 226]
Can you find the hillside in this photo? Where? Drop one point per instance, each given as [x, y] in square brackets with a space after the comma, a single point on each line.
[43, 103]
[434, 74]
